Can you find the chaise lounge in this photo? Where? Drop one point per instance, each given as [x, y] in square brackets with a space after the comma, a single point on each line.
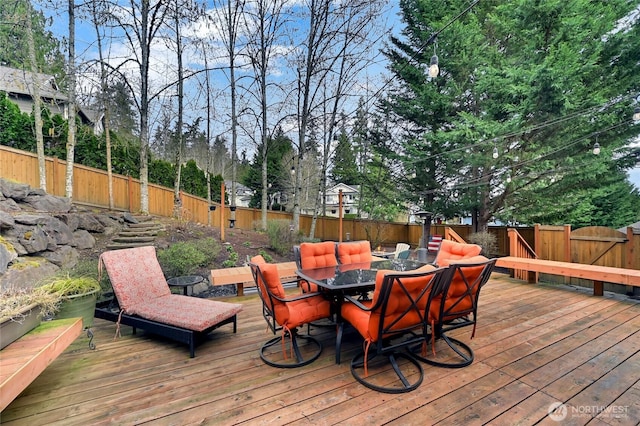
[142, 299]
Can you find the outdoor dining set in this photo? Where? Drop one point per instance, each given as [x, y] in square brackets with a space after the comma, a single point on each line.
[402, 308]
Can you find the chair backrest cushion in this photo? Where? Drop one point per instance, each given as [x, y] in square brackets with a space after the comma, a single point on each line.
[466, 279]
[135, 275]
[318, 255]
[452, 251]
[407, 294]
[354, 252]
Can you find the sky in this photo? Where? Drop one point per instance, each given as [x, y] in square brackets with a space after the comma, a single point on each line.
[85, 36]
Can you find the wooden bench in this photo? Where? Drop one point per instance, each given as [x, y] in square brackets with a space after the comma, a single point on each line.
[23, 360]
[241, 275]
[598, 274]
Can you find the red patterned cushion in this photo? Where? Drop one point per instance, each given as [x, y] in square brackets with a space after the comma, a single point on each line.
[141, 289]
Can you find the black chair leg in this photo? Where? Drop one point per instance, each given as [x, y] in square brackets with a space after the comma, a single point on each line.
[401, 384]
[300, 356]
[461, 350]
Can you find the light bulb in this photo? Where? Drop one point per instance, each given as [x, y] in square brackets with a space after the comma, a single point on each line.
[596, 148]
[495, 152]
[434, 70]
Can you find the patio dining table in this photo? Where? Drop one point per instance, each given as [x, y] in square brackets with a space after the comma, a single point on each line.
[352, 278]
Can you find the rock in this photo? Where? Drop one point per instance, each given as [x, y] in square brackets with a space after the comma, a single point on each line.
[65, 257]
[6, 220]
[128, 218]
[82, 239]
[27, 272]
[7, 254]
[32, 238]
[71, 220]
[14, 190]
[52, 226]
[9, 205]
[48, 203]
[89, 223]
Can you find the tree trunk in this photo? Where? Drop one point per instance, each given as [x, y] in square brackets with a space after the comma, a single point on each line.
[37, 102]
[71, 136]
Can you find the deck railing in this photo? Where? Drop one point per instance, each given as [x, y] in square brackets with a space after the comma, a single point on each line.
[518, 247]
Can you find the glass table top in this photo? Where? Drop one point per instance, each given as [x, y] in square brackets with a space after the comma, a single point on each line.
[355, 275]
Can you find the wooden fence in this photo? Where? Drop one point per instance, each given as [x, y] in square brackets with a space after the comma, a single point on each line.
[594, 245]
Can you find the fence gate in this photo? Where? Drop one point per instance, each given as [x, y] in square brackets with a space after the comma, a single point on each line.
[598, 245]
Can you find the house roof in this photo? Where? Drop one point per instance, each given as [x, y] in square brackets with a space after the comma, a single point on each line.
[635, 226]
[20, 82]
[344, 187]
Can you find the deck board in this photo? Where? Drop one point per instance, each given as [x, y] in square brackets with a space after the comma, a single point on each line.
[535, 345]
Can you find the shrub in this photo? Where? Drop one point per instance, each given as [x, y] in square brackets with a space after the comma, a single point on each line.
[487, 241]
[281, 238]
[233, 258]
[267, 257]
[181, 259]
[209, 247]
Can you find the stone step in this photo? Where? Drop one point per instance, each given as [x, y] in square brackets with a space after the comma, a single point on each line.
[121, 239]
[145, 225]
[116, 246]
[138, 232]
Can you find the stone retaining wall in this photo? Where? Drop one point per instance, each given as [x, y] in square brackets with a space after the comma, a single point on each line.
[42, 233]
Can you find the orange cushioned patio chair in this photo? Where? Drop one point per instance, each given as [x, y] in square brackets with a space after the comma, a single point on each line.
[143, 300]
[453, 251]
[392, 321]
[354, 252]
[286, 314]
[315, 255]
[455, 305]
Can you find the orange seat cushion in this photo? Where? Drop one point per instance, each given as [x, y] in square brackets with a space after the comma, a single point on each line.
[294, 313]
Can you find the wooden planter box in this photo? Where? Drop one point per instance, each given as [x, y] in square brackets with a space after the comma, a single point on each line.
[13, 329]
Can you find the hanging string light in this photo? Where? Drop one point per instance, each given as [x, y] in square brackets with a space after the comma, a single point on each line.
[434, 69]
[596, 147]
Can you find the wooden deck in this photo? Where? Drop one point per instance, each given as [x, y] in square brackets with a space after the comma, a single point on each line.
[535, 345]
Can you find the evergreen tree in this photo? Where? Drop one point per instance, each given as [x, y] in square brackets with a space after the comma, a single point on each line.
[525, 89]
[345, 169]
[278, 174]
[13, 49]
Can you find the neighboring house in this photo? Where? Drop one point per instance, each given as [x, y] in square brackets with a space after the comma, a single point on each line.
[18, 85]
[243, 194]
[350, 199]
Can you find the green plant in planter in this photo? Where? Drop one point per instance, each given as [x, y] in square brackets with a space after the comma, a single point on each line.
[77, 295]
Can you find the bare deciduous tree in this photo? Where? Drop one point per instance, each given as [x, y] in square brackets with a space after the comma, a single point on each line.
[266, 19]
